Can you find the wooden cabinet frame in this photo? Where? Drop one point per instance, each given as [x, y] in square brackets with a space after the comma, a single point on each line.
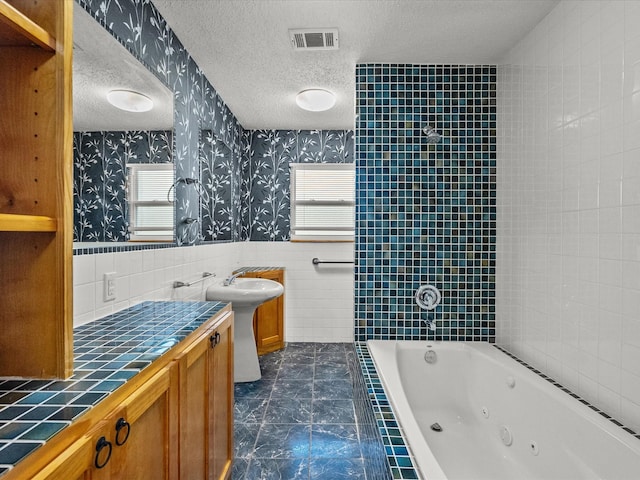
[268, 320]
[160, 391]
[36, 188]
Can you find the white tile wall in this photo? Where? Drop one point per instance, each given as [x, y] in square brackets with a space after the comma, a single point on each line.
[568, 244]
[318, 300]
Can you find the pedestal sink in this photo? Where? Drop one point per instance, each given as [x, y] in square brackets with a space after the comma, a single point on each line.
[245, 295]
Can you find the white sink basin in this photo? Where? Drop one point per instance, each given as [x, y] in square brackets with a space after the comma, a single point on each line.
[245, 291]
[245, 295]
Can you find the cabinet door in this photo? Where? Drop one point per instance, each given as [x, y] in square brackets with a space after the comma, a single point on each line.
[268, 324]
[221, 402]
[206, 405]
[76, 463]
[144, 431]
[138, 441]
[194, 410]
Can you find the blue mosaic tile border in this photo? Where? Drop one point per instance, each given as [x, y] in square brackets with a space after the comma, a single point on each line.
[373, 450]
[399, 456]
[107, 353]
[120, 247]
[569, 392]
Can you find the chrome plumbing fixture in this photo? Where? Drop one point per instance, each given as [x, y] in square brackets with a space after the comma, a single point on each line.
[231, 279]
[428, 297]
[436, 427]
[430, 324]
[430, 356]
[432, 135]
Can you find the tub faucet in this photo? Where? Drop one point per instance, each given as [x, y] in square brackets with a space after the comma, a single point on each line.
[231, 279]
[430, 324]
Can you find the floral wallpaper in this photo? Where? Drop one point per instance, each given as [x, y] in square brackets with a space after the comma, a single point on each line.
[138, 25]
[238, 181]
[216, 167]
[270, 153]
[100, 160]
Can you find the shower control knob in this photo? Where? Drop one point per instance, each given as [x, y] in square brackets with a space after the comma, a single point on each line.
[428, 297]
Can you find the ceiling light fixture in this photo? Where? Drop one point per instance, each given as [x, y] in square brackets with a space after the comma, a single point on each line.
[130, 101]
[315, 100]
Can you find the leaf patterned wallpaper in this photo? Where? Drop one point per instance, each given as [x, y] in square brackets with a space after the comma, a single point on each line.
[99, 162]
[242, 188]
[138, 25]
[271, 152]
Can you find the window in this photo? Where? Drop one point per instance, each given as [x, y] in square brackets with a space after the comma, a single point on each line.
[322, 201]
[151, 201]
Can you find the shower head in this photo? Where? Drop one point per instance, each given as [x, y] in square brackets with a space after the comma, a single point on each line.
[432, 135]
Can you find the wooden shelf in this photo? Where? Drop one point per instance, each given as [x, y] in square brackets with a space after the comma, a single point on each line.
[16, 29]
[27, 223]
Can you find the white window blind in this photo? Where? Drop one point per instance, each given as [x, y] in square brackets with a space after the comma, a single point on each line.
[151, 201]
[322, 201]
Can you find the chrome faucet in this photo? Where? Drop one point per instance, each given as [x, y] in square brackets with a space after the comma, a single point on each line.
[231, 280]
[430, 324]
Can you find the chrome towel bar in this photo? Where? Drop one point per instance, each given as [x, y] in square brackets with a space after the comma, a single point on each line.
[178, 284]
[317, 261]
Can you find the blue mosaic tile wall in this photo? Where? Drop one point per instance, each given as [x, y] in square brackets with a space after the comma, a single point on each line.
[270, 153]
[425, 213]
[138, 25]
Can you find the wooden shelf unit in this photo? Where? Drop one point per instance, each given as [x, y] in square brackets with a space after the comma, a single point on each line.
[36, 148]
[27, 223]
[16, 29]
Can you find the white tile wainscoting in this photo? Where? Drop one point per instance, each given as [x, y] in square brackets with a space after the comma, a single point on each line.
[318, 299]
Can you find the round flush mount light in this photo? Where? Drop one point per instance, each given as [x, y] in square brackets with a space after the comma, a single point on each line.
[129, 101]
[315, 100]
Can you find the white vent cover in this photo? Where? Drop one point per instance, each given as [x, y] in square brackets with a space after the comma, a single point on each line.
[314, 38]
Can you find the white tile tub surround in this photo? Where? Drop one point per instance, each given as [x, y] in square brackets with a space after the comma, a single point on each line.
[318, 300]
[568, 241]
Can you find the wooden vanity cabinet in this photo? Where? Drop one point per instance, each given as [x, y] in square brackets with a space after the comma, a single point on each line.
[174, 420]
[137, 440]
[206, 405]
[268, 320]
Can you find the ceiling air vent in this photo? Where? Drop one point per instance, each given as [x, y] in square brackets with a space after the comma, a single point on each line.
[314, 39]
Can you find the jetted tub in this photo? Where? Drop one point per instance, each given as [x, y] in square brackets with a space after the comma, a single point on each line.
[470, 412]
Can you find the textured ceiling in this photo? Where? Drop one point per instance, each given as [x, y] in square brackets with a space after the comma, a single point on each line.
[101, 64]
[243, 46]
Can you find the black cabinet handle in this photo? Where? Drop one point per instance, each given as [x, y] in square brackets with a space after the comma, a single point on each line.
[122, 425]
[212, 341]
[102, 444]
[217, 338]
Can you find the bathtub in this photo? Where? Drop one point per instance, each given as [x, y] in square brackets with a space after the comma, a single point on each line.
[497, 419]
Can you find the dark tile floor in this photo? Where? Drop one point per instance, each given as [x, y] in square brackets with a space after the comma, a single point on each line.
[298, 420]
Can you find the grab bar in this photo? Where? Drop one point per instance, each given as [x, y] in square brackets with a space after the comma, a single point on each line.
[317, 261]
[178, 284]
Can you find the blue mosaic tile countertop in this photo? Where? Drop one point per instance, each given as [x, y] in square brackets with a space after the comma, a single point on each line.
[107, 353]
